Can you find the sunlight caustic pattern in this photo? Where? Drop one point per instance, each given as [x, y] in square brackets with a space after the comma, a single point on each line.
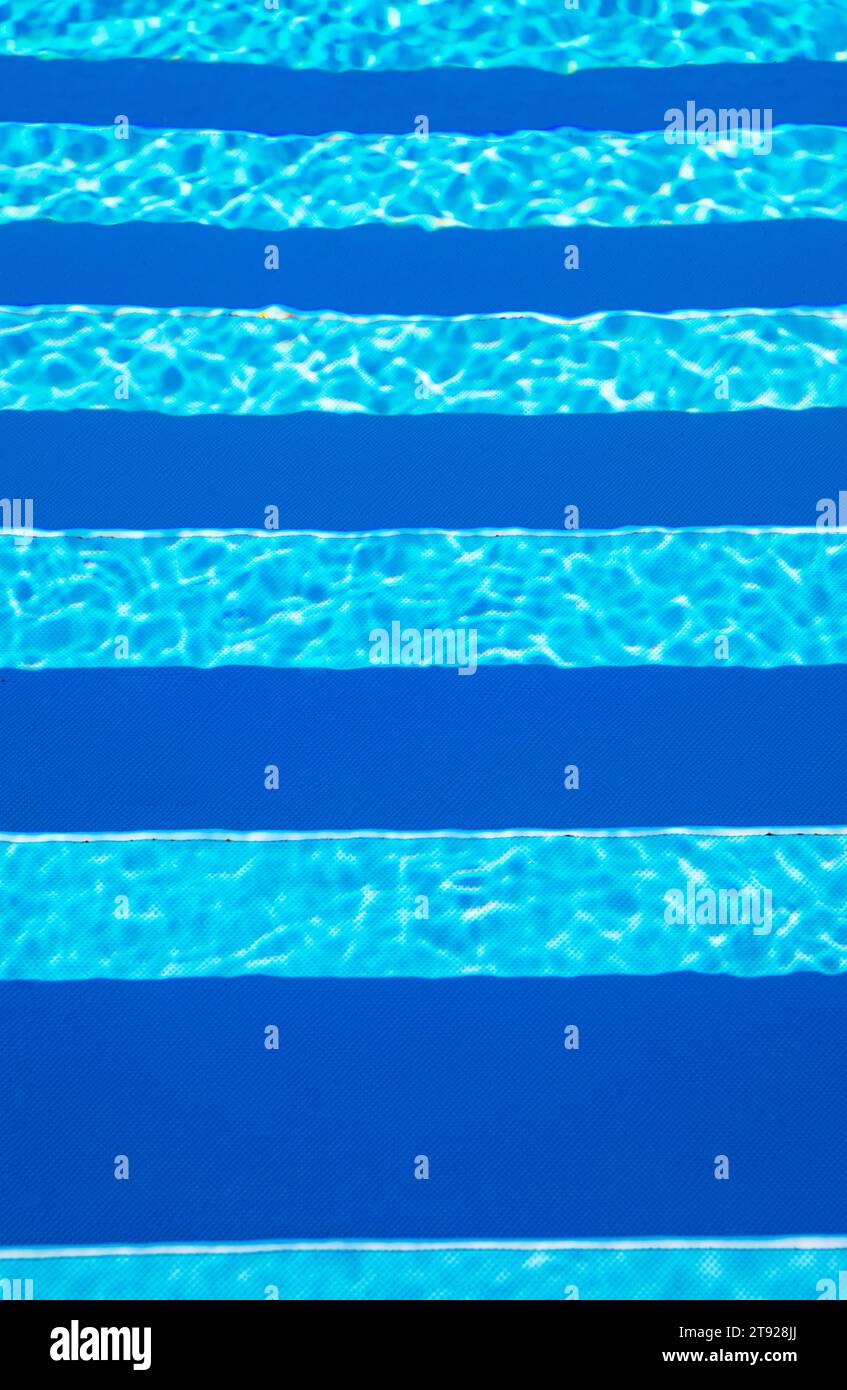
[358, 905]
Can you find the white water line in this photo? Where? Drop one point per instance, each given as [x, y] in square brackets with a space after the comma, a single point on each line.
[271, 836]
[399, 1246]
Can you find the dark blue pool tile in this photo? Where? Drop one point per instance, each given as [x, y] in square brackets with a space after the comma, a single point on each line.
[408, 270]
[102, 469]
[209, 96]
[525, 1138]
[169, 748]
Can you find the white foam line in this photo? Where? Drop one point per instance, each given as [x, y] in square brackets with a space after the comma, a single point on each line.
[62, 1252]
[460, 137]
[250, 836]
[492, 532]
[278, 313]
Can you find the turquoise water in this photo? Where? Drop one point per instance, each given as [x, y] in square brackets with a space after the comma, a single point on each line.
[407, 35]
[407, 1272]
[561, 178]
[683, 598]
[196, 361]
[380, 905]
[512, 904]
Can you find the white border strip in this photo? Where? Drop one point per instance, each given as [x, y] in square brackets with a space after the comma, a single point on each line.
[457, 533]
[63, 1252]
[250, 836]
[282, 313]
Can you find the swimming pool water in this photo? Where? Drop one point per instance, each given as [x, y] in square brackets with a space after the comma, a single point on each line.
[560, 178]
[415, 905]
[365, 34]
[689, 598]
[422, 975]
[181, 361]
[431, 1273]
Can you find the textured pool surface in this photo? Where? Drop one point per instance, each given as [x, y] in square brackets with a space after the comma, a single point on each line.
[569, 930]
[180, 361]
[365, 34]
[345, 905]
[560, 178]
[453, 1273]
[418, 599]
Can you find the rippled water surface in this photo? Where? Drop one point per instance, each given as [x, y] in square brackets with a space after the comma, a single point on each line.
[407, 35]
[682, 598]
[428, 906]
[198, 361]
[563, 178]
[420, 1273]
[378, 905]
